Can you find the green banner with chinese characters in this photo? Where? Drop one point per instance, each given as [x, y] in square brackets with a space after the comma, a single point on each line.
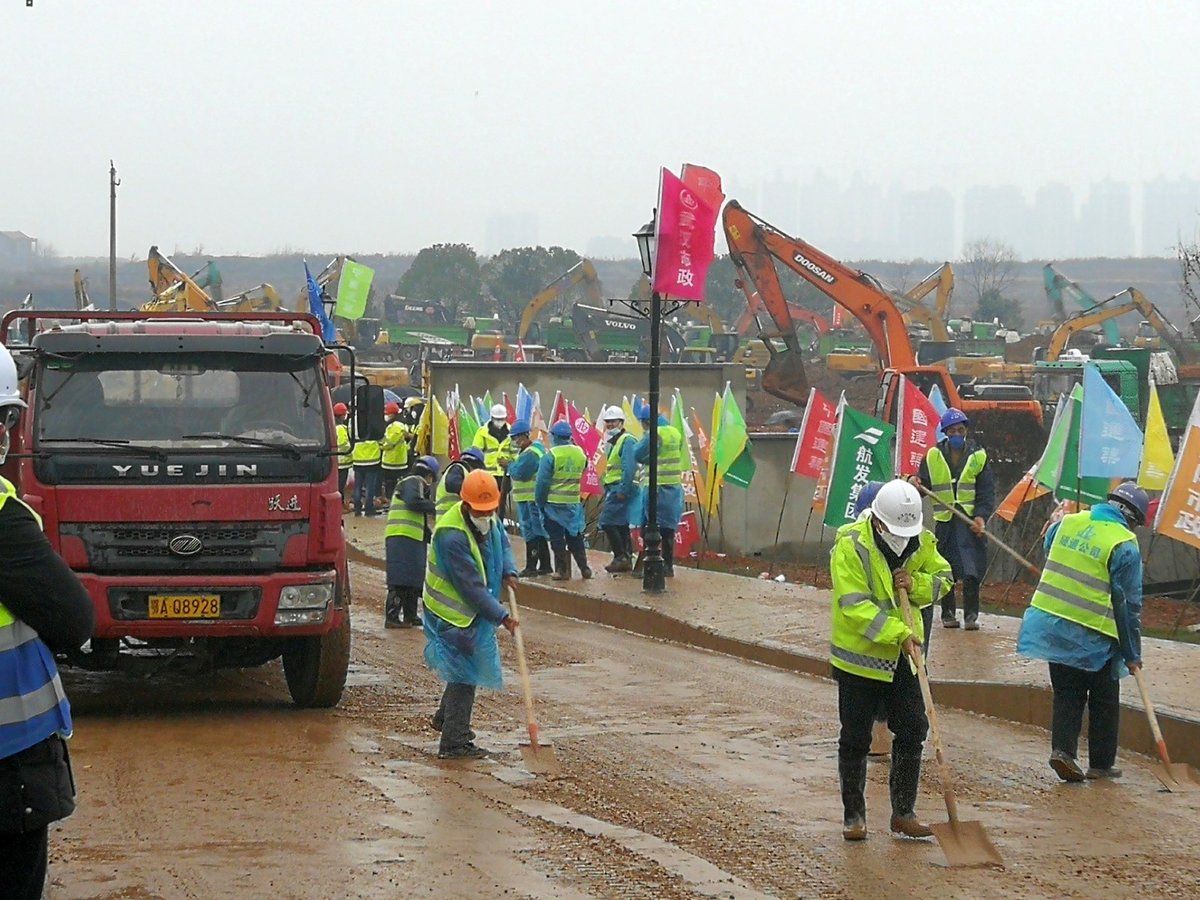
[354, 286]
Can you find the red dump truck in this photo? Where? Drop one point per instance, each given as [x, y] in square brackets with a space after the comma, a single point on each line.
[184, 466]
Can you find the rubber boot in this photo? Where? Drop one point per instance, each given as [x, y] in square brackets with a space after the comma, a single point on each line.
[668, 552]
[970, 604]
[530, 569]
[562, 565]
[949, 614]
[579, 551]
[903, 781]
[392, 613]
[544, 565]
[620, 562]
[853, 778]
[409, 608]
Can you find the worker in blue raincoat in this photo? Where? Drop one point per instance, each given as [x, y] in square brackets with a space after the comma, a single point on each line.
[523, 473]
[670, 482]
[557, 493]
[619, 489]
[470, 562]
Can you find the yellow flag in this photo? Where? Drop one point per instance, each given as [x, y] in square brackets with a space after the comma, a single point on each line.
[1157, 458]
[632, 425]
[712, 484]
[441, 428]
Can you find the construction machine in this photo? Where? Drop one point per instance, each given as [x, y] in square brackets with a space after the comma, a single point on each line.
[262, 298]
[82, 300]
[1108, 311]
[173, 289]
[1059, 288]
[1006, 416]
[916, 312]
[583, 272]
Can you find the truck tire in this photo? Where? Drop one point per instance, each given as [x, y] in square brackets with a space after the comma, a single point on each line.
[315, 667]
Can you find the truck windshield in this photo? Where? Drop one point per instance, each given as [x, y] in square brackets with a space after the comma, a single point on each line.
[201, 400]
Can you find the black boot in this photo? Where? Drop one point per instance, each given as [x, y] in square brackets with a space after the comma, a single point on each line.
[392, 614]
[668, 551]
[562, 565]
[530, 569]
[971, 604]
[409, 607]
[620, 561]
[853, 777]
[903, 781]
[949, 613]
[579, 551]
[544, 565]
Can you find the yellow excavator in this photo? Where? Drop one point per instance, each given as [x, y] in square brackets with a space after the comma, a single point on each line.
[82, 300]
[583, 272]
[176, 291]
[1109, 309]
[916, 312]
[263, 298]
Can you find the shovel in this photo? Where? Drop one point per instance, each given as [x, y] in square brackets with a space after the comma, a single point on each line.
[964, 843]
[1175, 777]
[539, 758]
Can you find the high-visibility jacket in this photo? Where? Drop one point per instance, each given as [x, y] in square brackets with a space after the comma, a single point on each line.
[523, 490]
[443, 499]
[345, 461]
[612, 475]
[670, 458]
[367, 453]
[33, 705]
[942, 484]
[494, 450]
[569, 463]
[440, 596]
[868, 625]
[395, 446]
[402, 521]
[1075, 582]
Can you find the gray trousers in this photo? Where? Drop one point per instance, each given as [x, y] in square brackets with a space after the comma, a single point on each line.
[454, 717]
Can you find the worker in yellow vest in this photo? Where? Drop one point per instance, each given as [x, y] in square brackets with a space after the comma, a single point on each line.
[523, 471]
[394, 449]
[670, 483]
[874, 557]
[557, 493]
[470, 562]
[367, 456]
[619, 489]
[405, 538]
[345, 461]
[492, 439]
[956, 471]
[1085, 619]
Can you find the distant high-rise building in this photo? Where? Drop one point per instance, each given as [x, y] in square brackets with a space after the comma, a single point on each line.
[1170, 212]
[743, 192]
[610, 247]
[506, 230]
[779, 197]
[1106, 220]
[1054, 223]
[1000, 213]
[925, 226]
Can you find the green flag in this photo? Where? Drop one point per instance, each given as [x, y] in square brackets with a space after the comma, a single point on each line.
[467, 426]
[1059, 468]
[862, 452]
[353, 287]
[731, 445]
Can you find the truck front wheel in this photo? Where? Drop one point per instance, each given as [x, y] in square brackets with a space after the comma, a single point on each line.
[315, 667]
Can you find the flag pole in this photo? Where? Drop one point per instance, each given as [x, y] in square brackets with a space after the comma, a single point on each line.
[787, 486]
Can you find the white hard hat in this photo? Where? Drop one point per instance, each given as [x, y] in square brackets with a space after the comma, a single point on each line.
[499, 411]
[10, 389]
[898, 507]
[613, 414]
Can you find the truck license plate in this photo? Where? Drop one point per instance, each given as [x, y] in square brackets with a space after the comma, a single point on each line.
[185, 606]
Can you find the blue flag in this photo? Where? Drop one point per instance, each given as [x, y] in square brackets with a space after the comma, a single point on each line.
[939, 403]
[317, 308]
[1110, 442]
[524, 408]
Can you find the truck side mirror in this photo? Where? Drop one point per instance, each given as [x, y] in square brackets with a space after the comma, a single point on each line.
[368, 412]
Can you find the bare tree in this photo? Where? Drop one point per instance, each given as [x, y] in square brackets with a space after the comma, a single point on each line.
[1189, 275]
[989, 266]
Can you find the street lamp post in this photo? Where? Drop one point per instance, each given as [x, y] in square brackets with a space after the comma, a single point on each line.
[653, 572]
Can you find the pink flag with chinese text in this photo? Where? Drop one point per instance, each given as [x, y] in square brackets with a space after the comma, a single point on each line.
[684, 230]
[588, 438]
[816, 435]
[916, 428]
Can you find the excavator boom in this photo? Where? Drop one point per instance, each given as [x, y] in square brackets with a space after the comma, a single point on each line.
[582, 272]
[180, 294]
[941, 278]
[1059, 288]
[1106, 314]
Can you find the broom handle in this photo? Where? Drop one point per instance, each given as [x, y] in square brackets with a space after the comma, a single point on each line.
[987, 534]
[1150, 714]
[927, 696]
[523, 669]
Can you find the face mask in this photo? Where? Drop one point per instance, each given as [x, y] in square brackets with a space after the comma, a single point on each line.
[893, 542]
[4, 444]
[957, 441]
[483, 524]
[614, 430]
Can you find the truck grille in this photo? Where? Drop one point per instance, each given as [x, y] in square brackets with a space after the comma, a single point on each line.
[147, 547]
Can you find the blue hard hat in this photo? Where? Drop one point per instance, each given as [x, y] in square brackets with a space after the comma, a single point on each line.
[521, 426]
[953, 417]
[865, 496]
[561, 429]
[429, 463]
[642, 411]
[473, 453]
[1132, 500]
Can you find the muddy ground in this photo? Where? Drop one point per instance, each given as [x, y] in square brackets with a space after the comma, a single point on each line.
[686, 774]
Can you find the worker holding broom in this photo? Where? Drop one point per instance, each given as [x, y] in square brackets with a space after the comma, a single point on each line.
[469, 563]
[874, 557]
[1085, 620]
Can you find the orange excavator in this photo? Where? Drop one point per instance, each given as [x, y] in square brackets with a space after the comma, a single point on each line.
[1007, 418]
[755, 307]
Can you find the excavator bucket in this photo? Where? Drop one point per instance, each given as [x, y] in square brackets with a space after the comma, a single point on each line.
[785, 377]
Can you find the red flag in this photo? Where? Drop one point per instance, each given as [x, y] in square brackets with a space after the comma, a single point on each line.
[511, 415]
[816, 435]
[519, 356]
[705, 182]
[838, 316]
[588, 438]
[916, 428]
[684, 230]
[821, 493]
[558, 412]
[454, 449]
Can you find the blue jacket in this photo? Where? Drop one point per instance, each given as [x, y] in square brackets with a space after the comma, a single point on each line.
[670, 497]
[1046, 636]
[525, 466]
[568, 515]
[454, 552]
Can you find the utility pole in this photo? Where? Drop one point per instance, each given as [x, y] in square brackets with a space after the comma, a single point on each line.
[112, 235]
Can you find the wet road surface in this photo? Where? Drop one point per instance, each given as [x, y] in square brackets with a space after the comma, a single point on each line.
[686, 774]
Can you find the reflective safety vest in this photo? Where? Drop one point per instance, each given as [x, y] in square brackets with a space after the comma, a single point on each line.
[367, 453]
[670, 456]
[345, 461]
[523, 491]
[569, 463]
[33, 705]
[612, 475]
[443, 499]
[440, 596]
[1075, 582]
[395, 446]
[402, 521]
[493, 450]
[868, 625]
[943, 486]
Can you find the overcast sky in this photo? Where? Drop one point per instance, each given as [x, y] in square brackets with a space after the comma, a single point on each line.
[248, 126]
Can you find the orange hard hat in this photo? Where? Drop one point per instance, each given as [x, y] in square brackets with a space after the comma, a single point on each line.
[391, 409]
[340, 409]
[480, 491]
